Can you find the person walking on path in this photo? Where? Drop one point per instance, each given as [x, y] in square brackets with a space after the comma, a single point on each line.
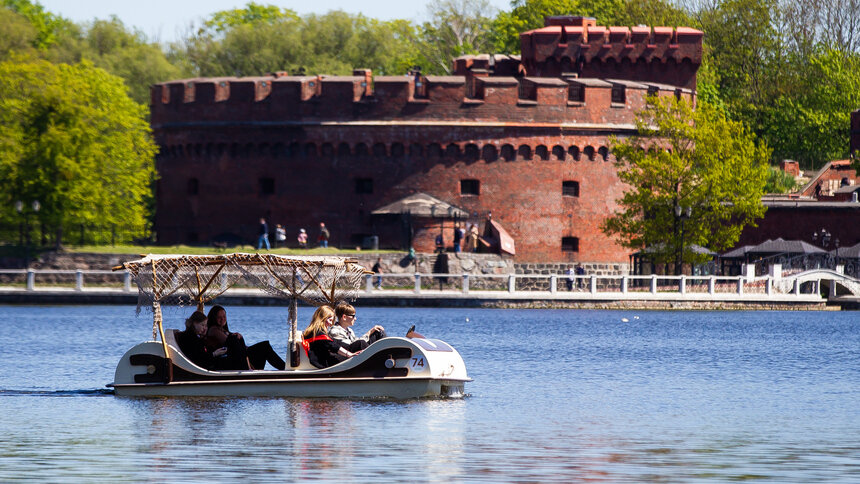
[303, 239]
[458, 237]
[580, 272]
[472, 238]
[570, 278]
[263, 235]
[377, 269]
[324, 236]
[280, 236]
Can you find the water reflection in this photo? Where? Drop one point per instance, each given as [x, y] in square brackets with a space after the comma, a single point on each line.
[301, 438]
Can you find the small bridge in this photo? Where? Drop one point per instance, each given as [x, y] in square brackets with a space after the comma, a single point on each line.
[839, 284]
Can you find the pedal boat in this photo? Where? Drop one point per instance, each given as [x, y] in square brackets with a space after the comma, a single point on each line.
[393, 367]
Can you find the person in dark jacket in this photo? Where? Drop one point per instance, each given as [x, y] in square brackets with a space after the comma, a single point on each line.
[218, 335]
[191, 343]
[321, 349]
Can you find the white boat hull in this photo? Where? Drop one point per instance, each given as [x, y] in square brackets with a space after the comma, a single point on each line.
[397, 368]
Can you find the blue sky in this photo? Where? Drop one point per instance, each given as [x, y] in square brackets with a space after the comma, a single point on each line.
[166, 20]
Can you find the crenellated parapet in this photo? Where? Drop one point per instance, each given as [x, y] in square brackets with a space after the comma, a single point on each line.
[576, 46]
[416, 98]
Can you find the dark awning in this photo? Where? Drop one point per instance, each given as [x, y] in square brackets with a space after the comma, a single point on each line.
[780, 246]
[422, 205]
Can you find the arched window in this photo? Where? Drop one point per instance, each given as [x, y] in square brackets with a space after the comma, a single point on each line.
[524, 152]
[379, 149]
[541, 152]
[327, 150]
[361, 149]
[489, 153]
[452, 151]
[588, 151]
[573, 151]
[343, 149]
[604, 153]
[558, 152]
[397, 150]
[472, 153]
[508, 153]
[434, 150]
[415, 150]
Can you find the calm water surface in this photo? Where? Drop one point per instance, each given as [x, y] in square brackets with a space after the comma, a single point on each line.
[559, 395]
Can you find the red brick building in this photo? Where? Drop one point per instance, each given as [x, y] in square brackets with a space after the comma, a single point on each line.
[524, 138]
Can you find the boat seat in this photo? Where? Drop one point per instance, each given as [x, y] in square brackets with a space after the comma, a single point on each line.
[304, 361]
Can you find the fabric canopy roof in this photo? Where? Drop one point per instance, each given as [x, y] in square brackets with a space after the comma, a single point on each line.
[422, 205]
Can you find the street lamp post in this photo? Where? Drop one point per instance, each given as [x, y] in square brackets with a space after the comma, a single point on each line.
[681, 214]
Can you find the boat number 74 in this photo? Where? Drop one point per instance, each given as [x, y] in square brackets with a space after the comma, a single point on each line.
[418, 362]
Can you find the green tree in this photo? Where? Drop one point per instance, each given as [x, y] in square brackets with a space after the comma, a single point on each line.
[252, 14]
[529, 14]
[693, 177]
[129, 55]
[71, 138]
[779, 181]
[47, 25]
[333, 43]
[19, 35]
[455, 28]
[811, 123]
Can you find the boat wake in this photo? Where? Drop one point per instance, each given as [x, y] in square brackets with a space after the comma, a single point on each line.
[11, 392]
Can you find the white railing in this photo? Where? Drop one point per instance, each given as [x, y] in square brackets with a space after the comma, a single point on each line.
[562, 284]
[32, 280]
[552, 285]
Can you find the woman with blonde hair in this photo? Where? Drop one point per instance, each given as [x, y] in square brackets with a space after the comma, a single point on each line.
[323, 351]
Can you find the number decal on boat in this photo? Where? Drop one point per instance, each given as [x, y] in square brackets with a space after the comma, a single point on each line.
[418, 362]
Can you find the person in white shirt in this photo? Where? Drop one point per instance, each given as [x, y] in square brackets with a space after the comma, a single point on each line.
[342, 331]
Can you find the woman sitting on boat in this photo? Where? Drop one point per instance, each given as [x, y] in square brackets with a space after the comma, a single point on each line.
[218, 335]
[191, 343]
[322, 350]
[342, 331]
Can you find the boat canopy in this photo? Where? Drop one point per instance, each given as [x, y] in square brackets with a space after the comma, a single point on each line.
[197, 279]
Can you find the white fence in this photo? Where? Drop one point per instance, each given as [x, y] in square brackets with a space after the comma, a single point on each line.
[560, 286]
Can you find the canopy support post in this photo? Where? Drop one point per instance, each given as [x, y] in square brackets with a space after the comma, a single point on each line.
[295, 356]
[157, 322]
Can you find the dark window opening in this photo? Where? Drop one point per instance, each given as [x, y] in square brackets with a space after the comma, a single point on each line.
[576, 93]
[618, 95]
[193, 187]
[267, 186]
[570, 188]
[470, 187]
[570, 244]
[364, 186]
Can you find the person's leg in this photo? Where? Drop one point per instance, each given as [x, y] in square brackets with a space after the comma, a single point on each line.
[357, 345]
[266, 240]
[376, 336]
[237, 356]
[262, 352]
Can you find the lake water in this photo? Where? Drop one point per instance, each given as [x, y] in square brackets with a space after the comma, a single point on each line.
[558, 396]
